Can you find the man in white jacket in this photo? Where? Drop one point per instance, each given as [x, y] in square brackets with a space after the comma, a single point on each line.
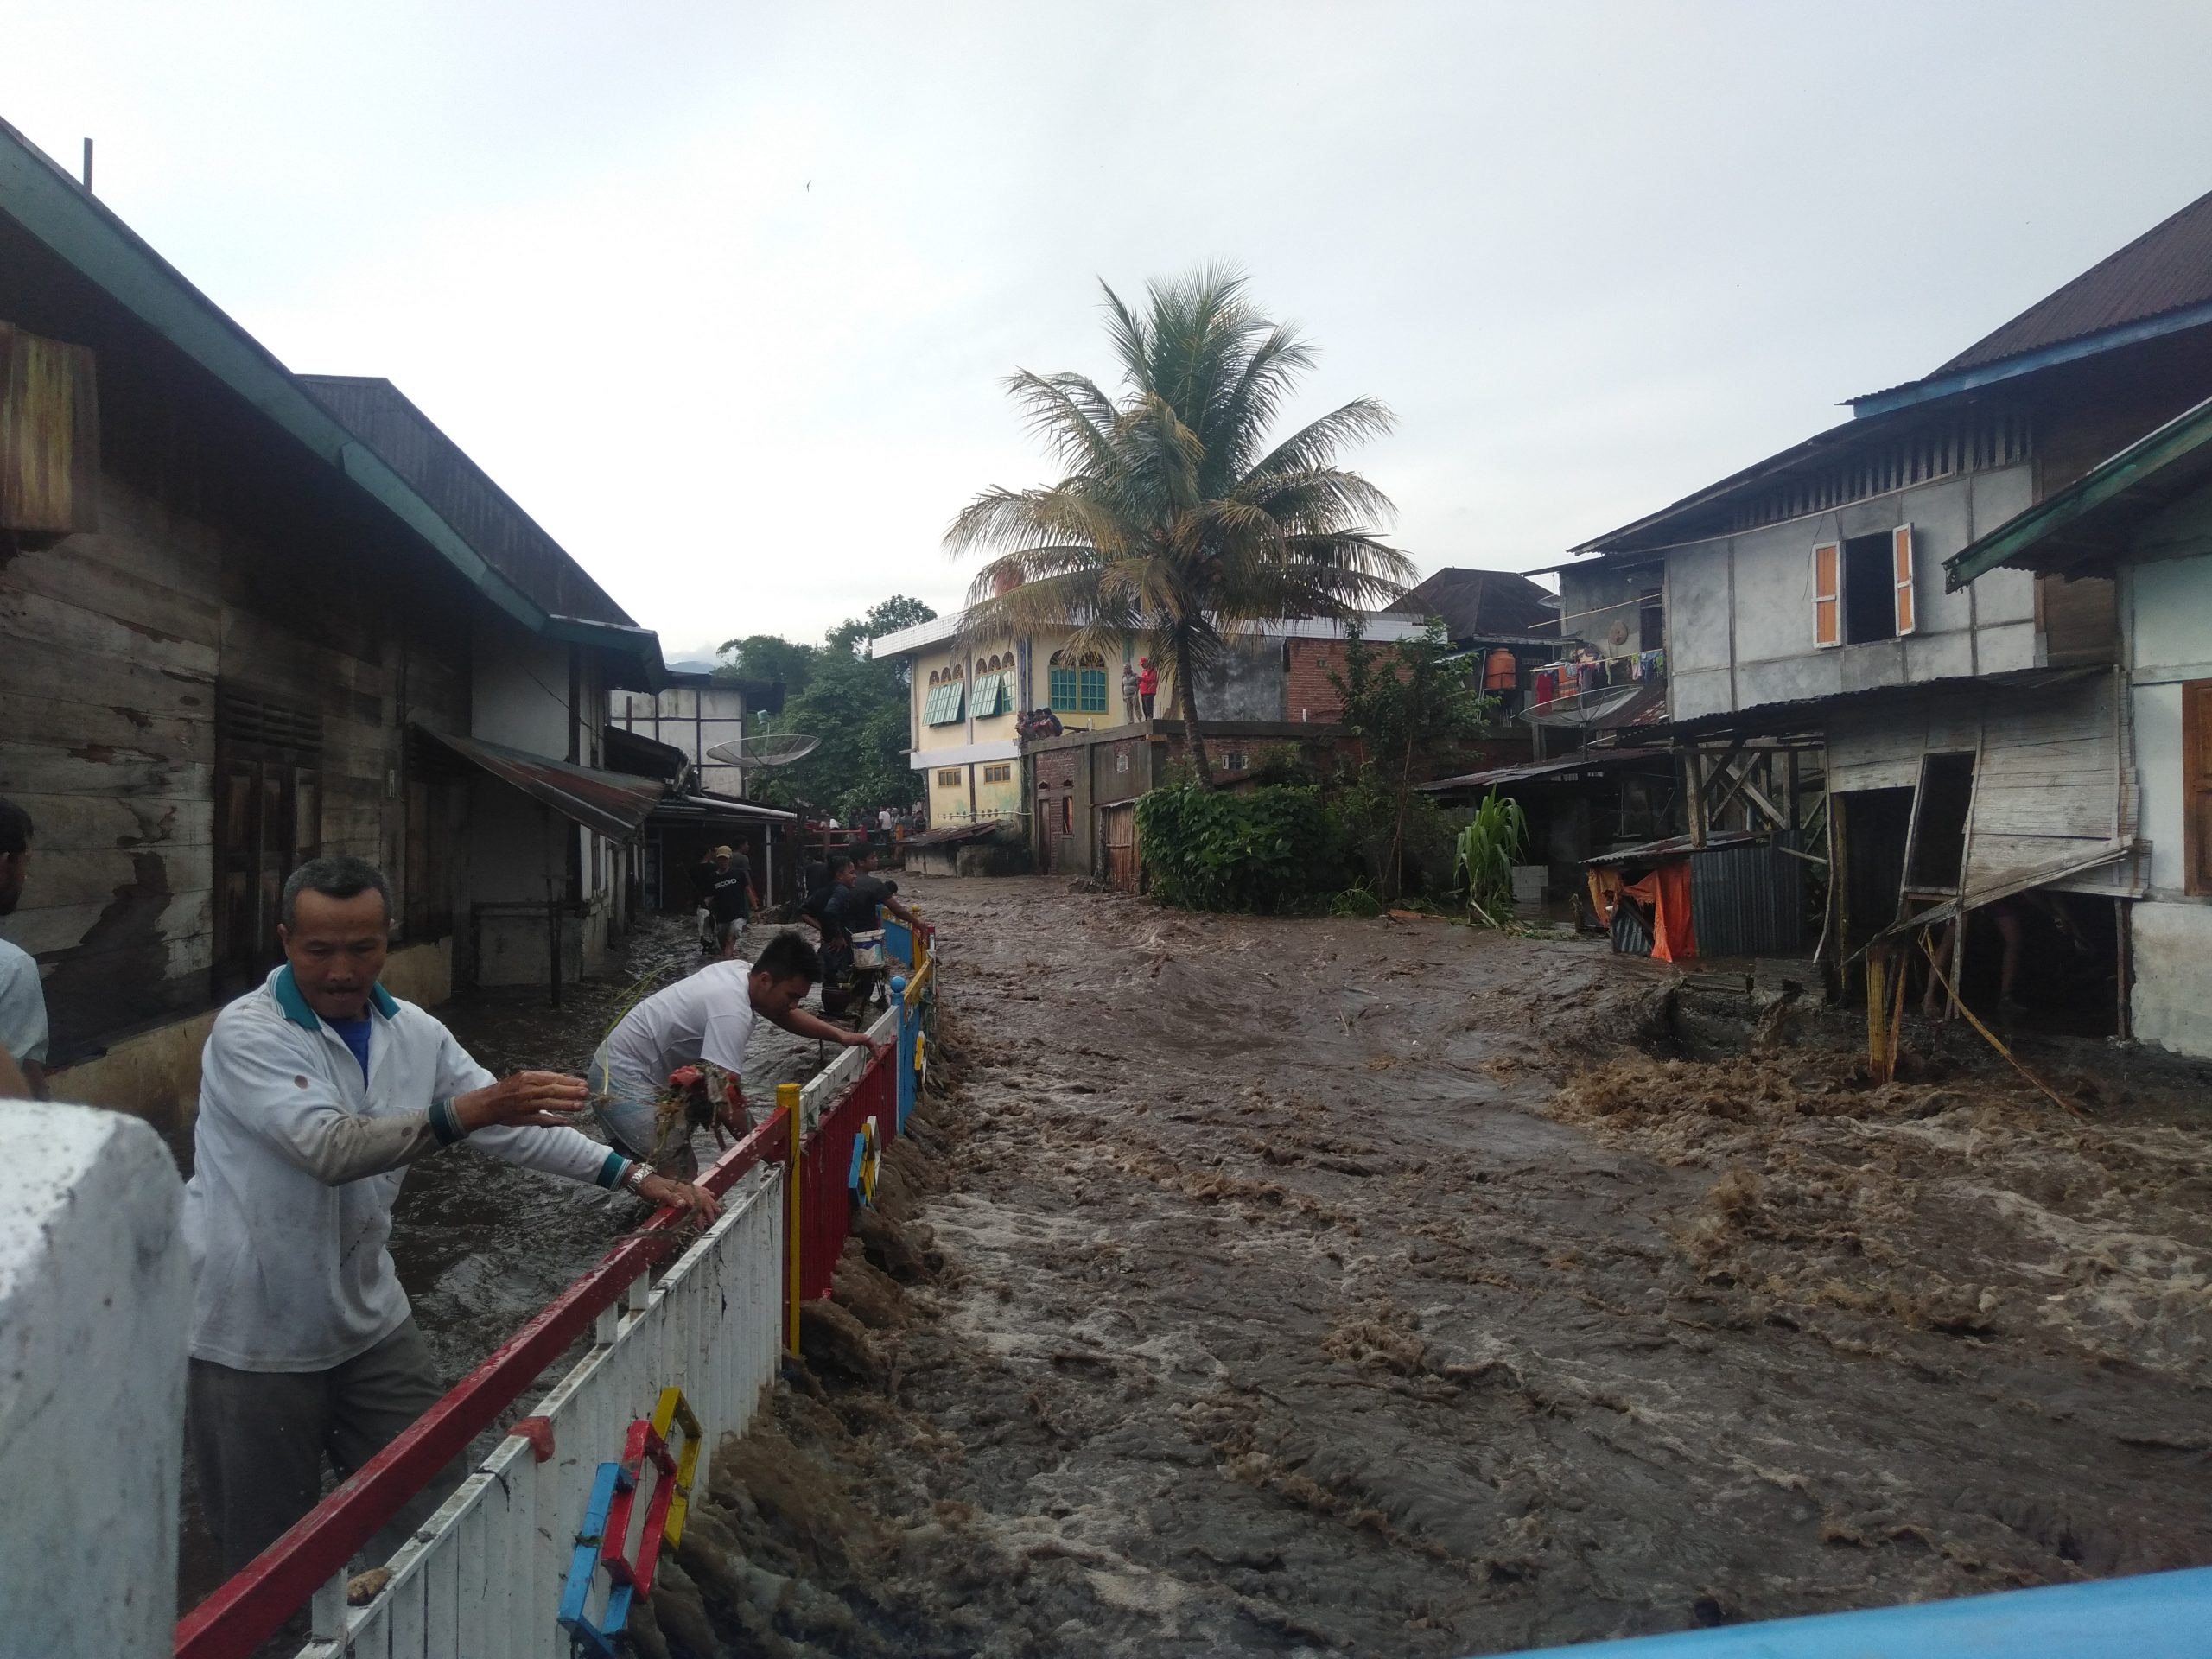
[317, 1092]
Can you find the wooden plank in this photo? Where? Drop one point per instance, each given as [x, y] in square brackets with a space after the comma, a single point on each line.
[41, 622]
[63, 927]
[104, 679]
[34, 769]
[56, 723]
[75, 573]
[62, 877]
[64, 822]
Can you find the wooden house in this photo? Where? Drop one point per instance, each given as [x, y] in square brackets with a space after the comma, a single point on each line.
[247, 617]
[1945, 747]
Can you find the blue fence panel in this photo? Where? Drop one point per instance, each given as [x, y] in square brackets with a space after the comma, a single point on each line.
[2156, 1616]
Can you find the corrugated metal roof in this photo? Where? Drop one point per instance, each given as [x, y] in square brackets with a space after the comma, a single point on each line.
[1482, 602]
[2165, 269]
[611, 803]
[408, 442]
[1593, 760]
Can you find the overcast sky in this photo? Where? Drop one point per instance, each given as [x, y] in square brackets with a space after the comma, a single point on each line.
[723, 294]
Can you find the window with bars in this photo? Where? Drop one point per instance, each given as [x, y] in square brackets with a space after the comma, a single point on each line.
[948, 777]
[1093, 692]
[1002, 773]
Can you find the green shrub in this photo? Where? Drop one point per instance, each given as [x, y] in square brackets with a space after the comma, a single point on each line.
[1269, 849]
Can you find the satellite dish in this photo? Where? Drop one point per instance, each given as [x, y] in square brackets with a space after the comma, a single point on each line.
[771, 749]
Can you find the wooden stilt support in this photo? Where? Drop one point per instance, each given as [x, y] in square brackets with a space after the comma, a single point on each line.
[1878, 1015]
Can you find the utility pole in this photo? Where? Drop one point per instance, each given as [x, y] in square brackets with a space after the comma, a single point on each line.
[88, 165]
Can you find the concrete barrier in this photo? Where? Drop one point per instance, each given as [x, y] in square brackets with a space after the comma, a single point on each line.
[93, 1303]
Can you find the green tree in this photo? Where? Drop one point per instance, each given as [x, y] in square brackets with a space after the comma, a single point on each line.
[1178, 522]
[856, 706]
[1415, 707]
[767, 657]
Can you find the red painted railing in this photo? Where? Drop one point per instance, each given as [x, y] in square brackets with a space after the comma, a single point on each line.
[825, 1202]
[251, 1606]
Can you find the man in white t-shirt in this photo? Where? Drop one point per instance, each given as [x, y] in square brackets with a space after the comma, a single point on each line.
[23, 998]
[707, 1017]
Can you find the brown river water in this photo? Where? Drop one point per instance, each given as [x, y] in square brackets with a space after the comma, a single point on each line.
[1287, 1287]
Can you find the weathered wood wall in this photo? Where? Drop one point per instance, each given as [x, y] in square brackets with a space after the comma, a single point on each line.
[224, 555]
[2054, 768]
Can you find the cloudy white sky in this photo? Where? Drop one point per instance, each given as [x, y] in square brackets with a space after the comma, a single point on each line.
[723, 293]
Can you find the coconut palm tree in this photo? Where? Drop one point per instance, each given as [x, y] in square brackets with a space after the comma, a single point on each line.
[1179, 523]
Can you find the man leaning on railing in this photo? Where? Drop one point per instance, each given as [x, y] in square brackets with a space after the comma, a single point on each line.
[317, 1092]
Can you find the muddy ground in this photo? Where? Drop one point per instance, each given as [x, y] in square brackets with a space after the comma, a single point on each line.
[1272, 1287]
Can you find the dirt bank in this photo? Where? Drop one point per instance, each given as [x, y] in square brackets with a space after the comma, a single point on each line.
[1269, 1287]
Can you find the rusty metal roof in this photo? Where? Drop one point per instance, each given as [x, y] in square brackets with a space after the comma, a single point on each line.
[2167, 268]
[611, 803]
[1554, 771]
[1482, 602]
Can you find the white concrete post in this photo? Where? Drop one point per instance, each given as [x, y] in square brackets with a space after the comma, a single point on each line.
[94, 1297]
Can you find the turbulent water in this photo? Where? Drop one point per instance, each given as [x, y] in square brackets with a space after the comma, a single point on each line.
[1275, 1287]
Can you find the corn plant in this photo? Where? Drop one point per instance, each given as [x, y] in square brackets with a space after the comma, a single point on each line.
[1491, 844]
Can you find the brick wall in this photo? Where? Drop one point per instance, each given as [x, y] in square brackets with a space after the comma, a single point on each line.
[1307, 695]
[1056, 767]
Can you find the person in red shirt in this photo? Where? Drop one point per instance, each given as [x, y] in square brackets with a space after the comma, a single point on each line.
[1148, 684]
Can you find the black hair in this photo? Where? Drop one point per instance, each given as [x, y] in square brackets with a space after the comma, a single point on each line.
[839, 861]
[14, 830]
[341, 877]
[788, 956]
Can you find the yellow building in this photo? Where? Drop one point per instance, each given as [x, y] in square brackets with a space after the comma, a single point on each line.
[964, 703]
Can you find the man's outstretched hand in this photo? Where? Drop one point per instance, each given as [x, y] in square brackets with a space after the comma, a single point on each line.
[543, 1098]
[659, 1189]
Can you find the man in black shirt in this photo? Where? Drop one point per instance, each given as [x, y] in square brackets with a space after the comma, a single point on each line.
[703, 876]
[862, 903]
[824, 909]
[732, 899]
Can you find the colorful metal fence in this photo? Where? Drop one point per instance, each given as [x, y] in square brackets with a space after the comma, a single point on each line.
[486, 1574]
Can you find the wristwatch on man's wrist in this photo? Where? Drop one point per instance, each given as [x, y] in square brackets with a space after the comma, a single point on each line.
[634, 1177]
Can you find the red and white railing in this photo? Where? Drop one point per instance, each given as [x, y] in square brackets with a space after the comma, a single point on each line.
[483, 1577]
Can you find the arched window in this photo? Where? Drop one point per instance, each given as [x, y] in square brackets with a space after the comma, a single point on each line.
[1092, 691]
[933, 677]
[1065, 691]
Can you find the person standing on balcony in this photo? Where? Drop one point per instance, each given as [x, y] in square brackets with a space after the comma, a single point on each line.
[22, 998]
[1128, 694]
[1147, 685]
[317, 1092]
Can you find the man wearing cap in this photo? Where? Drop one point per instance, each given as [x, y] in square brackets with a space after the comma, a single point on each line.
[317, 1092]
[731, 899]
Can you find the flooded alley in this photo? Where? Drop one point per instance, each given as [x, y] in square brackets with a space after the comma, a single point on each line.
[1277, 1287]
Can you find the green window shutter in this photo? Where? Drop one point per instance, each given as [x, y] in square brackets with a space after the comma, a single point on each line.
[1094, 691]
[1064, 692]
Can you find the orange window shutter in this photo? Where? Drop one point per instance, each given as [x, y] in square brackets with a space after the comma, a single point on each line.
[1901, 561]
[1827, 592]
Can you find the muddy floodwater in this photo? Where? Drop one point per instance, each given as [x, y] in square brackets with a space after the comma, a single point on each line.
[1278, 1288]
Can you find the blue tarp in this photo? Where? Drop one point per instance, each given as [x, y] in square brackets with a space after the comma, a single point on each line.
[2156, 1616]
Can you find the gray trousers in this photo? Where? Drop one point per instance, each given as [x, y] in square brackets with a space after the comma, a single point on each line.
[260, 1438]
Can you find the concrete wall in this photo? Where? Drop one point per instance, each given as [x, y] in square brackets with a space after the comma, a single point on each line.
[1739, 608]
[519, 690]
[691, 718]
[93, 1299]
[2166, 604]
[2172, 947]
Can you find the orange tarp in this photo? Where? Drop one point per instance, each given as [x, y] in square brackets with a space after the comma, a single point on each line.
[1666, 890]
